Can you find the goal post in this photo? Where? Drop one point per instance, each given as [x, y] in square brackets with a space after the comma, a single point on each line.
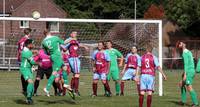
[146, 31]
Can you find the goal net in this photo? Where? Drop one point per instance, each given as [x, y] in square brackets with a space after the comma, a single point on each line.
[123, 34]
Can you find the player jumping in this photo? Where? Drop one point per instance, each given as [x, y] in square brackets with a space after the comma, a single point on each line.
[51, 45]
[72, 44]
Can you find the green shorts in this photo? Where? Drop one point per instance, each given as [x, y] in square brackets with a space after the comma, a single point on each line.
[27, 73]
[113, 73]
[57, 62]
[189, 79]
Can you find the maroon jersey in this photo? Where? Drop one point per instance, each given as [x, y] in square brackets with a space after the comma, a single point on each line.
[132, 62]
[20, 46]
[101, 63]
[73, 48]
[148, 66]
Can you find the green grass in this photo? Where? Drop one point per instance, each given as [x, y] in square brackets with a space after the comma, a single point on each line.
[10, 95]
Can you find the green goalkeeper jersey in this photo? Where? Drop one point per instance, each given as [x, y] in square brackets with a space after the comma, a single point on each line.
[27, 58]
[188, 62]
[114, 54]
[51, 44]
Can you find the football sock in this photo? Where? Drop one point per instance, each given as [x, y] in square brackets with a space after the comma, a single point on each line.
[149, 100]
[94, 87]
[50, 81]
[72, 83]
[183, 94]
[36, 84]
[117, 87]
[65, 77]
[122, 87]
[107, 87]
[138, 89]
[24, 83]
[59, 87]
[141, 99]
[194, 97]
[30, 89]
[55, 87]
[76, 84]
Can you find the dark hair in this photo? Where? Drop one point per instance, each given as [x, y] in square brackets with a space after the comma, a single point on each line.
[149, 48]
[27, 42]
[109, 41]
[27, 31]
[46, 31]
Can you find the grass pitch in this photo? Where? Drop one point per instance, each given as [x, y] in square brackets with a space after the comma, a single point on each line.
[10, 93]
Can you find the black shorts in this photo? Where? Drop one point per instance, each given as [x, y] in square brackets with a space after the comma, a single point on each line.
[40, 72]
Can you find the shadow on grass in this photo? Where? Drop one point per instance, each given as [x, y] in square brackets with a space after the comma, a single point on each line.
[58, 102]
[179, 103]
[20, 101]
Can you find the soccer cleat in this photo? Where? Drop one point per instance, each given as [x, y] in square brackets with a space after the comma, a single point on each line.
[193, 105]
[117, 94]
[71, 94]
[77, 94]
[108, 94]
[122, 94]
[35, 94]
[29, 101]
[47, 92]
[93, 96]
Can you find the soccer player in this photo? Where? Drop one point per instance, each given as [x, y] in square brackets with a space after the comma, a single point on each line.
[20, 46]
[188, 75]
[45, 68]
[65, 56]
[101, 62]
[114, 69]
[51, 45]
[149, 64]
[25, 68]
[132, 63]
[72, 44]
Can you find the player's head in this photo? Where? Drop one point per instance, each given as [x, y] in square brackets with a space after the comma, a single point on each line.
[27, 31]
[73, 34]
[134, 49]
[180, 45]
[109, 44]
[100, 45]
[149, 48]
[46, 32]
[29, 43]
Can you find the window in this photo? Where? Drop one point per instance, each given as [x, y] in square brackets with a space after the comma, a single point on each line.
[53, 26]
[24, 24]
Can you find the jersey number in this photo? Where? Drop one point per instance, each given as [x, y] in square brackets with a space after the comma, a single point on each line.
[147, 63]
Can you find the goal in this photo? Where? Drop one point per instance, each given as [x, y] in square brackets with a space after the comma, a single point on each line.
[123, 33]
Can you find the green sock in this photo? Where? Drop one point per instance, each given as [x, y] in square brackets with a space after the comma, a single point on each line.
[65, 77]
[183, 94]
[117, 87]
[50, 82]
[194, 97]
[30, 90]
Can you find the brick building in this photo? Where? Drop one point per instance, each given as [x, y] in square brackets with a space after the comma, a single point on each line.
[24, 8]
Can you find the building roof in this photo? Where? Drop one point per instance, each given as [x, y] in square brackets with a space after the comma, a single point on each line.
[10, 5]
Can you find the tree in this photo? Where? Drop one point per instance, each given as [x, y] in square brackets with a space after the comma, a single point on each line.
[184, 12]
[154, 12]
